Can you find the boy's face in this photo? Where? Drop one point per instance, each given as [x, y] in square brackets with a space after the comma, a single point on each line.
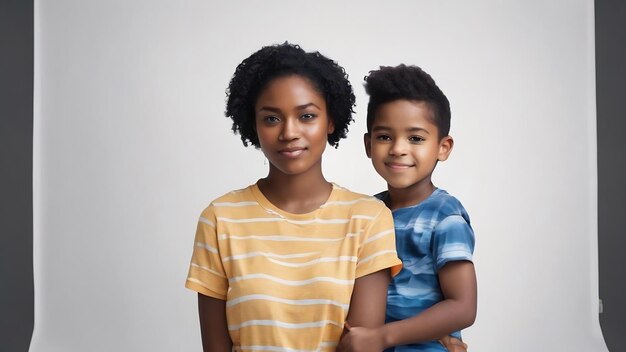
[404, 144]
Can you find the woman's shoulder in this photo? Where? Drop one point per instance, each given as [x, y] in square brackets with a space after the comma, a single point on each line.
[237, 195]
[233, 199]
[356, 201]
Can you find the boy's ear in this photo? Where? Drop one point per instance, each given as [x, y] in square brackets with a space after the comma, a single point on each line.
[367, 140]
[445, 147]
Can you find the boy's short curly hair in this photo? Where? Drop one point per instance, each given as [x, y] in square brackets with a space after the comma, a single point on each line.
[406, 82]
[255, 72]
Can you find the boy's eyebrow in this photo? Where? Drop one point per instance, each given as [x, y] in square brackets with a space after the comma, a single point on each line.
[410, 129]
[417, 129]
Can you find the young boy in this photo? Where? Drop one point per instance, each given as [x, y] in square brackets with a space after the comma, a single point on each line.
[408, 120]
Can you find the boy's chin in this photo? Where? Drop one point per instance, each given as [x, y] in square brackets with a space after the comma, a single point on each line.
[399, 185]
[406, 184]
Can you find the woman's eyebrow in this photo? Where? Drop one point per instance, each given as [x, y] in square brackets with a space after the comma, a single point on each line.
[299, 107]
[304, 106]
[269, 108]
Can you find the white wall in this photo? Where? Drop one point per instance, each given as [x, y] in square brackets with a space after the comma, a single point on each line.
[131, 144]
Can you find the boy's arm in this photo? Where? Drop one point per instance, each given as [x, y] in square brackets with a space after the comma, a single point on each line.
[213, 326]
[456, 311]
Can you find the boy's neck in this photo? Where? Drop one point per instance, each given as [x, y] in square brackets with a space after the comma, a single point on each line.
[405, 197]
[296, 194]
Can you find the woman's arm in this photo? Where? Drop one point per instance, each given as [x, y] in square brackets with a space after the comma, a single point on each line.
[369, 300]
[213, 326]
[367, 307]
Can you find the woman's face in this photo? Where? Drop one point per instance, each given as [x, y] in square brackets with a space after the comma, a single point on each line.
[292, 124]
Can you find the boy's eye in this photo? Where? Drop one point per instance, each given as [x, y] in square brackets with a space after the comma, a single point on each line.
[383, 137]
[416, 139]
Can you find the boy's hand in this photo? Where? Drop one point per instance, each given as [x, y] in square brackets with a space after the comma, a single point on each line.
[452, 344]
[361, 340]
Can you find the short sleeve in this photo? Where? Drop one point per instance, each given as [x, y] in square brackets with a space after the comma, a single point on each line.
[378, 246]
[206, 272]
[452, 240]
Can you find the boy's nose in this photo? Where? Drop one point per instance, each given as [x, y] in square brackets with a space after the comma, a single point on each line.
[398, 148]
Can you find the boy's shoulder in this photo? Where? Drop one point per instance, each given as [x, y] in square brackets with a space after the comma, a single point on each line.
[440, 204]
[446, 204]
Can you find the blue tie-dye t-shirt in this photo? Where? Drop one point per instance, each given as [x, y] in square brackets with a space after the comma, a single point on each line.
[428, 235]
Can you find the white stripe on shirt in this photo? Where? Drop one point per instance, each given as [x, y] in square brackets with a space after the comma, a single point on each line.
[367, 259]
[208, 269]
[282, 324]
[296, 302]
[281, 238]
[207, 247]
[379, 235]
[206, 221]
[315, 261]
[268, 255]
[291, 282]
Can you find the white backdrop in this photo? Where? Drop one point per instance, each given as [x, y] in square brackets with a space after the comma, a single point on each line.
[131, 144]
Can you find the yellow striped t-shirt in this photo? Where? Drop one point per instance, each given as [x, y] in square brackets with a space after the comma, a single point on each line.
[288, 278]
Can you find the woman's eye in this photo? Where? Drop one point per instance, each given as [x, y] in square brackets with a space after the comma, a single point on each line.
[383, 137]
[416, 139]
[307, 116]
[271, 119]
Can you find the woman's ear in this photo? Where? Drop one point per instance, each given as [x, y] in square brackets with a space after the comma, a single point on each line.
[331, 126]
[445, 148]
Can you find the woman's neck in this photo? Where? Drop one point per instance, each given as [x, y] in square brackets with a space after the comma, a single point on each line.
[297, 194]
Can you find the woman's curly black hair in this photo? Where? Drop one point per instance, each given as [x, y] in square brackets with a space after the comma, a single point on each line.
[406, 82]
[254, 73]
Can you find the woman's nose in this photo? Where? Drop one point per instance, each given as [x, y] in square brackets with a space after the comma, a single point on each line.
[290, 130]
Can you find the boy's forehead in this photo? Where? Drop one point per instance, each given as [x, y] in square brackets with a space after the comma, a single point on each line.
[404, 113]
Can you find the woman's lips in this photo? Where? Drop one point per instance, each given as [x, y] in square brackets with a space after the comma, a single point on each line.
[292, 152]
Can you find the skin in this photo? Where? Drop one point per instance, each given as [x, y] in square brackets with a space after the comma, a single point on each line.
[293, 127]
[213, 326]
[404, 146]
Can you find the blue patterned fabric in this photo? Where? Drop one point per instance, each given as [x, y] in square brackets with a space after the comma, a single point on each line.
[428, 235]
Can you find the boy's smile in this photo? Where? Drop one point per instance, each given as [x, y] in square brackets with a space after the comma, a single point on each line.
[404, 146]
